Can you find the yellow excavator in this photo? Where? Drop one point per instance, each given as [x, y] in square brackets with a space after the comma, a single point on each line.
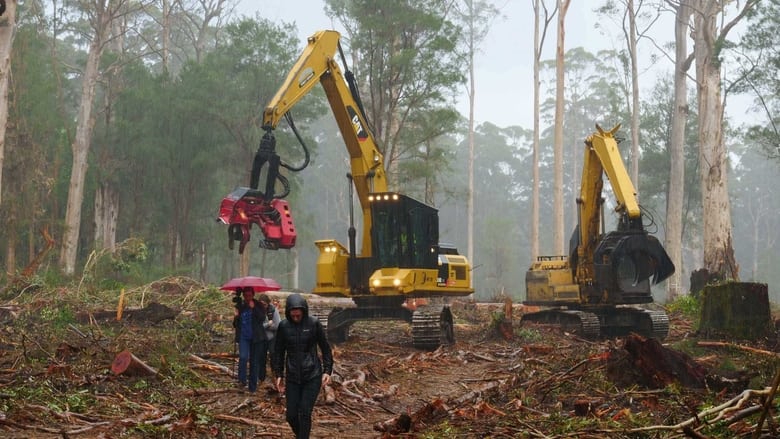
[593, 290]
[400, 255]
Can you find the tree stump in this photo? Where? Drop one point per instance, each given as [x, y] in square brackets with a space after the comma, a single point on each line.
[505, 328]
[736, 309]
[645, 361]
[128, 364]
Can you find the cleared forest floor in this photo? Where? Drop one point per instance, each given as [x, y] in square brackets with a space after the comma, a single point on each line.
[56, 353]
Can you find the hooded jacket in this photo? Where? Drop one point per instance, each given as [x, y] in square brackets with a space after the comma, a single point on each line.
[296, 345]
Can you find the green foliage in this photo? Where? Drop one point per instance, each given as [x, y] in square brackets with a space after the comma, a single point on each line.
[528, 335]
[758, 58]
[689, 347]
[496, 317]
[109, 269]
[151, 430]
[407, 55]
[171, 142]
[441, 431]
[687, 305]
[57, 316]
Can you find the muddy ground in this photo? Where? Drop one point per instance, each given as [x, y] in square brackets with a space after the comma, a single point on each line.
[56, 380]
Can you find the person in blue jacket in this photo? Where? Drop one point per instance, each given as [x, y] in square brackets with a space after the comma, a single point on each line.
[249, 323]
[300, 371]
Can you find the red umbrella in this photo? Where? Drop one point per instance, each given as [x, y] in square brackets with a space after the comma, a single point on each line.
[259, 284]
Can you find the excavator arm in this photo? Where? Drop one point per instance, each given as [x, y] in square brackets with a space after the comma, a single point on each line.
[592, 289]
[266, 209]
[317, 64]
[401, 257]
[622, 259]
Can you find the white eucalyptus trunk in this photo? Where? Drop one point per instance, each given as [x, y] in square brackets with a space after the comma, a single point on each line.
[80, 147]
[106, 217]
[472, 91]
[558, 231]
[7, 32]
[535, 164]
[634, 94]
[713, 158]
[675, 196]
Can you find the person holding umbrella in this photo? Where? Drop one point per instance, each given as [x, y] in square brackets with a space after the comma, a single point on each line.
[295, 361]
[249, 322]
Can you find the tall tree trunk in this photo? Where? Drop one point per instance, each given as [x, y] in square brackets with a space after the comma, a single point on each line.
[204, 263]
[85, 122]
[755, 226]
[535, 164]
[292, 269]
[10, 252]
[166, 35]
[676, 187]
[106, 217]
[472, 90]
[7, 32]
[558, 231]
[243, 267]
[713, 160]
[634, 94]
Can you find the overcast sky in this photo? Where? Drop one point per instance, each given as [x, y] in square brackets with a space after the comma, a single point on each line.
[504, 71]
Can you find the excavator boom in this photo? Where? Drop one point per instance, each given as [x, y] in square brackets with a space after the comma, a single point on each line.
[400, 256]
[603, 270]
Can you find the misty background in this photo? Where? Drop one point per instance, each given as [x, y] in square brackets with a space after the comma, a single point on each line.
[172, 138]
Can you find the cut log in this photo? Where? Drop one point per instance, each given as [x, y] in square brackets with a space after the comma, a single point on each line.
[128, 364]
[398, 425]
[736, 309]
[428, 414]
[153, 313]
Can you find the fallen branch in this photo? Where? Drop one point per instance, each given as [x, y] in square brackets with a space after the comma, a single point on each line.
[211, 355]
[722, 344]
[360, 398]
[32, 267]
[767, 404]
[392, 390]
[213, 365]
[198, 392]
[360, 380]
[244, 404]
[708, 416]
[273, 427]
[475, 394]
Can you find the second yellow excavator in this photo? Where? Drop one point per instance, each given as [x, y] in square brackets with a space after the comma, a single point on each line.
[400, 254]
[591, 291]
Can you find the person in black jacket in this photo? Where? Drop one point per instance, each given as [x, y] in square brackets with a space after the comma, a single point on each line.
[249, 322]
[299, 371]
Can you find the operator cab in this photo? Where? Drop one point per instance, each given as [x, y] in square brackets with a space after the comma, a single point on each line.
[404, 232]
